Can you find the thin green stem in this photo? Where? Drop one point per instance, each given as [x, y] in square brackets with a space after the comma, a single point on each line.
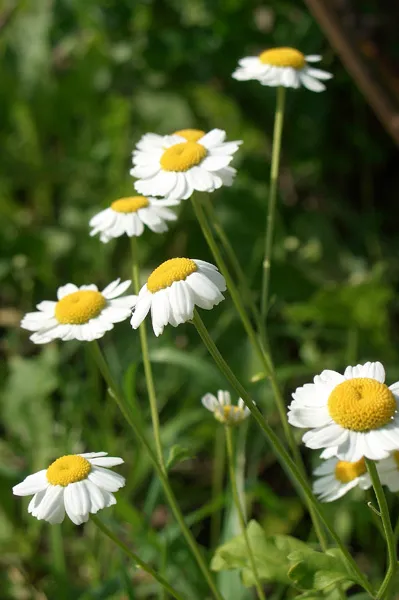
[127, 413]
[217, 485]
[260, 351]
[140, 563]
[240, 512]
[271, 209]
[234, 262]
[146, 359]
[389, 534]
[285, 459]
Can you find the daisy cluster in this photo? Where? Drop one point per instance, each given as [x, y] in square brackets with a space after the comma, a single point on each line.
[351, 416]
[168, 169]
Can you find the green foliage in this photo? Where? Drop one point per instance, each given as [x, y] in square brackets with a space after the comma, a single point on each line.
[283, 559]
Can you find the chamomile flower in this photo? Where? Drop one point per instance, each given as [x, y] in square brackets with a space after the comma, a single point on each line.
[285, 67]
[83, 313]
[129, 215]
[175, 165]
[351, 415]
[174, 289]
[223, 410]
[388, 470]
[76, 484]
[336, 477]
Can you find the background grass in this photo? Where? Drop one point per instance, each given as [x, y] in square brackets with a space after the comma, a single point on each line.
[80, 83]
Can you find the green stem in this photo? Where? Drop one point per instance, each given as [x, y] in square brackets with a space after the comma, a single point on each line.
[285, 459]
[387, 525]
[130, 418]
[261, 353]
[271, 210]
[165, 585]
[241, 517]
[217, 485]
[229, 250]
[146, 359]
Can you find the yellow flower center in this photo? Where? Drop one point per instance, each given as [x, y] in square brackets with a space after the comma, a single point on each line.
[182, 157]
[129, 205]
[79, 307]
[68, 469]
[348, 471]
[191, 135]
[229, 414]
[175, 269]
[361, 404]
[283, 57]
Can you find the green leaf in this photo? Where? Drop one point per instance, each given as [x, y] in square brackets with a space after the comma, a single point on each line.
[177, 454]
[270, 553]
[313, 570]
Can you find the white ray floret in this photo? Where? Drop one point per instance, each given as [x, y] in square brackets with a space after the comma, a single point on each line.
[76, 484]
[388, 470]
[174, 289]
[337, 477]
[223, 410]
[81, 313]
[128, 216]
[174, 166]
[286, 67]
[351, 415]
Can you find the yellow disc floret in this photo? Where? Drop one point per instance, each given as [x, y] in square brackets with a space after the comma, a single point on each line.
[361, 404]
[129, 205]
[181, 157]
[283, 57]
[68, 469]
[348, 471]
[191, 135]
[175, 269]
[229, 414]
[79, 307]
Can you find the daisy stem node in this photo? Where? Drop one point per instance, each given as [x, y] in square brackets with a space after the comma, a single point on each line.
[389, 534]
[240, 512]
[295, 472]
[271, 209]
[146, 359]
[263, 355]
[131, 420]
[138, 562]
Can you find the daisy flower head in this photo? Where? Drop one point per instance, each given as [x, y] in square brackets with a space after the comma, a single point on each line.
[285, 67]
[81, 313]
[336, 477]
[175, 165]
[130, 215]
[174, 289]
[223, 410]
[76, 484]
[388, 470]
[351, 415]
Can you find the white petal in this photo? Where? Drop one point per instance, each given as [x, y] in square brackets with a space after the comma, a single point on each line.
[142, 307]
[160, 311]
[318, 73]
[313, 58]
[181, 301]
[105, 479]
[209, 401]
[311, 84]
[117, 290]
[206, 293]
[32, 484]
[215, 163]
[109, 461]
[212, 138]
[65, 290]
[49, 506]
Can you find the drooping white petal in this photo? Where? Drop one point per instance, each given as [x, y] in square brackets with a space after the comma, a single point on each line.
[32, 484]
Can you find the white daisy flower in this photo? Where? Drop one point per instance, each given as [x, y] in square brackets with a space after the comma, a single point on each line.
[129, 215]
[285, 67]
[388, 471]
[83, 313]
[223, 410]
[336, 477]
[174, 289]
[351, 415]
[78, 484]
[175, 165]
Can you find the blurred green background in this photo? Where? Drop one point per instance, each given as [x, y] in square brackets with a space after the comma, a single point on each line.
[80, 82]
